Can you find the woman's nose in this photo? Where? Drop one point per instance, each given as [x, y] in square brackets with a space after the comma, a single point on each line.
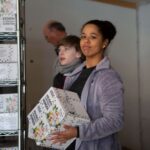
[87, 40]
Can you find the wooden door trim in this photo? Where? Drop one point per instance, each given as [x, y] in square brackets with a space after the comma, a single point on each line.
[119, 3]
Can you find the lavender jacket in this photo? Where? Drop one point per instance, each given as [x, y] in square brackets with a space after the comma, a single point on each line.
[102, 97]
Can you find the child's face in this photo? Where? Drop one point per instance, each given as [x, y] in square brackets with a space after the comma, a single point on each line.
[67, 55]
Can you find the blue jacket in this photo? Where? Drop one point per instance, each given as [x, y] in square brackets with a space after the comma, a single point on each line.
[102, 97]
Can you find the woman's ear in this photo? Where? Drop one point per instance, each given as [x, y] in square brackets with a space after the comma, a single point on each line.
[105, 43]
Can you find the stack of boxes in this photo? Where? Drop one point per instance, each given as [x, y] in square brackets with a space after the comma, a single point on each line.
[56, 108]
[8, 62]
[8, 112]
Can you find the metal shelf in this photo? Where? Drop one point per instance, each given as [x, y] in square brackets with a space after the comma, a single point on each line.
[14, 85]
[8, 132]
[8, 83]
[8, 36]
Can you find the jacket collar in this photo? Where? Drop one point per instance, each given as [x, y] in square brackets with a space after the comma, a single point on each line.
[103, 64]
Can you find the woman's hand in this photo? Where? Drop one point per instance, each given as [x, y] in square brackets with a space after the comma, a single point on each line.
[62, 136]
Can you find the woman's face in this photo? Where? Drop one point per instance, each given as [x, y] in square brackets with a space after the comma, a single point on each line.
[92, 43]
[68, 55]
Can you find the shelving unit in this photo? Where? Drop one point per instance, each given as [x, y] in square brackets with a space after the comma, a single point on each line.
[11, 75]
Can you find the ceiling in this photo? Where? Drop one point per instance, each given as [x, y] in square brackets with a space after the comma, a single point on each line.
[137, 1]
[125, 3]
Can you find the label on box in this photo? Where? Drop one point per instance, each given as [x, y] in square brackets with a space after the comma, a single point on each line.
[41, 130]
[8, 72]
[8, 52]
[8, 103]
[52, 110]
[8, 121]
[35, 115]
[8, 10]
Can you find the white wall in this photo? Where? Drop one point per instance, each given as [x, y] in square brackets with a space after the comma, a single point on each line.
[144, 66]
[123, 51]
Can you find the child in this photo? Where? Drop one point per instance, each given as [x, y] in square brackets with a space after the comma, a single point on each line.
[70, 57]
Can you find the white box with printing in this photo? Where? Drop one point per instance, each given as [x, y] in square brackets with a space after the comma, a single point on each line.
[8, 103]
[8, 53]
[8, 13]
[58, 107]
[8, 72]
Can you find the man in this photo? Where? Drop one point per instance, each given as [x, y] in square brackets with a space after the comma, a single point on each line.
[54, 31]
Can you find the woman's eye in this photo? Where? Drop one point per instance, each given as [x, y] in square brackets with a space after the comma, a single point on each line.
[83, 37]
[93, 37]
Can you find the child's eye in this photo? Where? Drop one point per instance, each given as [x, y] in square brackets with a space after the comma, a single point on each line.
[66, 48]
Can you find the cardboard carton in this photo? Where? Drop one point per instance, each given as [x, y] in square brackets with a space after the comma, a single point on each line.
[8, 53]
[8, 103]
[55, 108]
[8, 15]
[8, 121]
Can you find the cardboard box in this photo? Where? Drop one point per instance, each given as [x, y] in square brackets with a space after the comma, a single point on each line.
[57, 107]
[47, 143]
[8, 53]
[8, 103]
[8, 72]
[8, 121]
[8, 13]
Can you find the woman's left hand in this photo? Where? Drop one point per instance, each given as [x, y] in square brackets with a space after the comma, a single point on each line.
[62, 136]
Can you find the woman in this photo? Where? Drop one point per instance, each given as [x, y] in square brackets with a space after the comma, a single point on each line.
[100, 89]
